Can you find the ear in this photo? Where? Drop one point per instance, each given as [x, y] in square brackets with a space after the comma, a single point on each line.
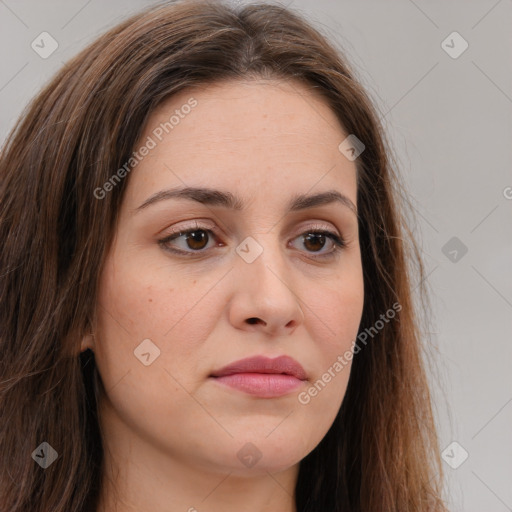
[87, 342]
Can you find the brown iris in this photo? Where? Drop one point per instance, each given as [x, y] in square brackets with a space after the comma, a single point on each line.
[315, 236]
[197, 237]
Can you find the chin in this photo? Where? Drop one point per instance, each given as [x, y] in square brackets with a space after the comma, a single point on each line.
[274, 455]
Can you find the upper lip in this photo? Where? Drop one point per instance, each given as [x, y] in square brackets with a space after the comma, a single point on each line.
[261, 364]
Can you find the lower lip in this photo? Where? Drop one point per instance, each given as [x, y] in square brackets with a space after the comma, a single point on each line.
[264, 385]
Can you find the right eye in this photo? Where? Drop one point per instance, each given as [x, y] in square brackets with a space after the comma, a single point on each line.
[194, 240]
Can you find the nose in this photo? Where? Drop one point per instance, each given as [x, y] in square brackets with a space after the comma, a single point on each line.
[264, 298]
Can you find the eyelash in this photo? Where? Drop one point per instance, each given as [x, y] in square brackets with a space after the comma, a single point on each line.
[338, 241]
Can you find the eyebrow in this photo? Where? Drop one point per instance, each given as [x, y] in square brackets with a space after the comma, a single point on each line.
[226, 199]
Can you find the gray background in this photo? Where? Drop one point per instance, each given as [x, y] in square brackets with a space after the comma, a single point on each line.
[449, 120]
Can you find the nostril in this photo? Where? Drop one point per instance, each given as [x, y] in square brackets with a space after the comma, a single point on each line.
[253, 320]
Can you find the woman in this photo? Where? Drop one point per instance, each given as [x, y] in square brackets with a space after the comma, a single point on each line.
[207, 301]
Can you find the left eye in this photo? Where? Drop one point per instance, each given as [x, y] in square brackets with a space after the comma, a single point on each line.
[317, 239]
[196, 240]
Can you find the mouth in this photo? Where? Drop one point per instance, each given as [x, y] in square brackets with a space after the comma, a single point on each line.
[261, 376]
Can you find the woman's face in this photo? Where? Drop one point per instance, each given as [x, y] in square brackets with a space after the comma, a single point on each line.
[248, 282]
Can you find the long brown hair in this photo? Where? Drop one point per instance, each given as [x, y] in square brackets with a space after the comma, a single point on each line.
[381, 452]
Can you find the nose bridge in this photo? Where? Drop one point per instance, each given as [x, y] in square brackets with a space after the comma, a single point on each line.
[263, 287]
[269, 272]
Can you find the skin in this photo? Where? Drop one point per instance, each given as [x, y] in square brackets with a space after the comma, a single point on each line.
[172, 434]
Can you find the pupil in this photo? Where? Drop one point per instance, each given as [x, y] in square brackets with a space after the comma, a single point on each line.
[196, 237]
[316, 236]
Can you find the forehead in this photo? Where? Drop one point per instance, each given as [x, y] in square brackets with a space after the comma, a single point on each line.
[279, 136]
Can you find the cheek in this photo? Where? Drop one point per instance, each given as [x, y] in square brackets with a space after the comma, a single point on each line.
[337, 319]
[137, 305]
[140, 299]
[338, 309]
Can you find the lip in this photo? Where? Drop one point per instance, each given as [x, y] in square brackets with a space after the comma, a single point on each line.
[262, 376]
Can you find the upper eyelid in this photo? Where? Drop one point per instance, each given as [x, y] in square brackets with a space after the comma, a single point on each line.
[210, 226]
